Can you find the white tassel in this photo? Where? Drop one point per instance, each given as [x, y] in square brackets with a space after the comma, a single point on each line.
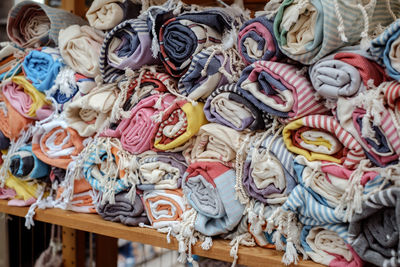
[207, 244]
[290, 255]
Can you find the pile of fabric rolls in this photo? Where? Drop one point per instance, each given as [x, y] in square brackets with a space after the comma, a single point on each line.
[281, 131]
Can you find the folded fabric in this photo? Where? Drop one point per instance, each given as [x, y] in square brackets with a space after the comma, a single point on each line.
[328, 245]
[42, 66]
[345, 73]
[161, 171]
[136, 132]
[123, 210]
[210, 189]
[126, 46]
[391, 92]
[10, 61]
[256, 41]
[210, 68]
[179, 123]
[65, 87]
[372, 126]
[106, 14]
[30, 24]
[186, 35]
[164, 208]
[308, 31]
[80, 48]
[84, 84]
[279, 89]
[4, 141]
[215, 142]
[82, 197]
[268, 174]
[374, 233]
[55, 143]
[26, 191]
[384, 48]
[227, 106]
[321, 137]
[7, 193]
[88, 114]
[28, 101]
[25, 165]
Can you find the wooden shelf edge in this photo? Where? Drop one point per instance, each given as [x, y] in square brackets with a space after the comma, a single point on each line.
[250, 256]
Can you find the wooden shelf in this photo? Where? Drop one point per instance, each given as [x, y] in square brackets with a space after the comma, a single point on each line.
[250, 256]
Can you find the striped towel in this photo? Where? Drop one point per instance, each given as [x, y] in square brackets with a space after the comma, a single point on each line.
[125, 46]
[211, 68]
[374, 233]
[372, 125]
[162, 170]
[30, 24]
[186, 35]
[164, 208]
[55, 143]
[210, 189]
[11, 58]
[25, 165]
[179, 122]
[268, 175]
[137, 131]
[321, 137]
[256, 41]
[280, 90]
[227, 106]
[307, 31]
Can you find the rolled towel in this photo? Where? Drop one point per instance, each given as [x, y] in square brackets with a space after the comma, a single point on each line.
[106, 14]
[25, 165]
[164, 208]
[80, 48]
[137, 131]
[321, 137]
[161, 171]
[4, 141]
[391, 92]
[256, 41]
[124, 210]
[126, 46]
[227, 106]
[56, 144]
[24, 97]
[279, 89]
[210, 189]
[211, 68]
[30, 24]
[374, 233]
[177, 124]
[11, 58]
[27, 192]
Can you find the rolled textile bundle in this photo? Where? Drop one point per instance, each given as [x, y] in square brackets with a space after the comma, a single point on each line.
[227, 106]
[308, 31]
[124, 210]
[328, 245]
[345, 74]
[80, 48]
[187, 34]
[374, 233]
[256, 41]
[41, 67]
[106, 14]
[161, 171]
[321, 137]
[4, 141]
[126, 46]
[211, 68]
[384, 48]
[280, 90]
[7, 193]
[164, 208]
[391, 91]
[210, 189]
[28, 101]
[55, 143]
[25, 165]
[268, 174]
[30, 24]
[372, 126]
[27, 192]
[89, 113]
[136, 131]
[177, 124]
[65, 86]
[10, 61]
[215, 142]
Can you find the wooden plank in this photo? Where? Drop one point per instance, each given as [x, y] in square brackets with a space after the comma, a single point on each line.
[250, 256]
[106, 251]
[77, 7]
[69, 254]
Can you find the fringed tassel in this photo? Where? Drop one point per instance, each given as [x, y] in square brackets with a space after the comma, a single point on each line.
[245, 239]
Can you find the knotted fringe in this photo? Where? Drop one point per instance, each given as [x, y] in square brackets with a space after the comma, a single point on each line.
[244, 239]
